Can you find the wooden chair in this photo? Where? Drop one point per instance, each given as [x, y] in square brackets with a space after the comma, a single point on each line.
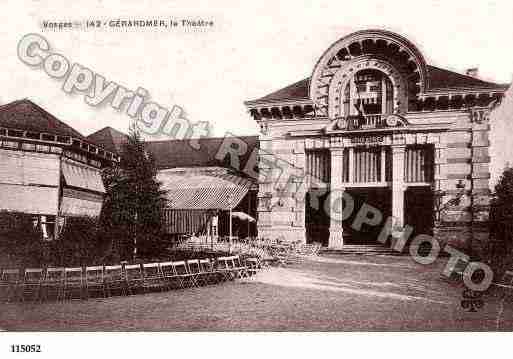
[185, 278]
[10, 284]
[73, 283]
[53, 285]
[506, 283]
[252, 265]
[240, 269]
[134, 278]
[94, 281]
[207, 272]
[153, 276]
[115, 280]
[220, 267]
[194, 269]
[223, 267]
[169, 275]
[4, 285]
[31, 286]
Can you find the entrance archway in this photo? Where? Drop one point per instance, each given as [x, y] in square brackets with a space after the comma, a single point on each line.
[377, 197]
[317, 221]
[419, 209]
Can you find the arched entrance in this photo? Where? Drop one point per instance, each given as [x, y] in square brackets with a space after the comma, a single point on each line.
[317, 222]
[377, 197]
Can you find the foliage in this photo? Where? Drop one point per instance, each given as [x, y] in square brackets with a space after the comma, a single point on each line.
[133, 208]
[79, 243]
[502, 203]
[21, 241]
[500, 250]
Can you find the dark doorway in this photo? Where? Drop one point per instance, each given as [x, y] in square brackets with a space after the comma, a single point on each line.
[317, 222]
[419, 210]
[380, 198]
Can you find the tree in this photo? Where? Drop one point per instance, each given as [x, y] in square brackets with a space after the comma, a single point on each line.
[133, 209]
[501, 222]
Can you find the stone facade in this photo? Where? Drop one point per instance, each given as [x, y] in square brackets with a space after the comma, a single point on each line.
[375, 120]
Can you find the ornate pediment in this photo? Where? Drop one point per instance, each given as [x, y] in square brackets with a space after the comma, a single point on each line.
[366, 122]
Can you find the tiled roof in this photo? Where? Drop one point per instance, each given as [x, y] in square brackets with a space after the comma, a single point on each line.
[109, 138]
[296, 91]
[179, 153]
[27, 116]
[439, 79]
[445, 79]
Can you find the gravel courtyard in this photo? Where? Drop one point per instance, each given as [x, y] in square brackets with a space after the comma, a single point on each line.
[327, 293]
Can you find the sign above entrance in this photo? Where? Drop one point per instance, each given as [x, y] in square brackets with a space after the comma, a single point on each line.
[367, 140]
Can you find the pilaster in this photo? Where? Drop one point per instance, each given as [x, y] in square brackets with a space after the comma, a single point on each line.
[336, 239]
[398, 186]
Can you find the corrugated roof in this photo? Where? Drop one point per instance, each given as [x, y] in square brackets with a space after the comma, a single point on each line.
[438, 79]
[199, 191]
[25, 115]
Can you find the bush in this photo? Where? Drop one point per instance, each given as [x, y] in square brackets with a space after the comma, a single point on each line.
[82, 241]
[79, 243]
[500, 249]
[21, 241]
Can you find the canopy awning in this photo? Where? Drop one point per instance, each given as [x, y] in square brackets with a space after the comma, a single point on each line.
[84, 177]
[29, 199]
[198, 191]
[80, 203]
[243, 216]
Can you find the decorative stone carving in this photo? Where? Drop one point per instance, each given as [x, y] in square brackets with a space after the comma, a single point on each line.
[395, 120]
[480, 115]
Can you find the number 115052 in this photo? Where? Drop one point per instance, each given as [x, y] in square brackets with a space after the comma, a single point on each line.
[33, 348]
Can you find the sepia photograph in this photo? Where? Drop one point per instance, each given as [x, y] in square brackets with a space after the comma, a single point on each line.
[223, 175]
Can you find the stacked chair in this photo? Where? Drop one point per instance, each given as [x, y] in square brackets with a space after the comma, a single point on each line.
[36, 284]
[95, 281]
[53, 284]
[31, 284]
[10, 284]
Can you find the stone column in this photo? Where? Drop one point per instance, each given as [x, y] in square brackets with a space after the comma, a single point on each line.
[383, 157]
[265, 188]
[352, 97]
[336, 240]
[300, 191]
[350, 167]
[398, 186]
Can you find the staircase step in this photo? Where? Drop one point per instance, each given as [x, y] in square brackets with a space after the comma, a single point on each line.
[362, 250]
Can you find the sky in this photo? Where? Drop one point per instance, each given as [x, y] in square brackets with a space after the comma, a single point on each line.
[254, 48]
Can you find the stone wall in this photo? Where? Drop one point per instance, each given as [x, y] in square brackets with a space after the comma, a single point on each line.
[461, 168]
[463, 183]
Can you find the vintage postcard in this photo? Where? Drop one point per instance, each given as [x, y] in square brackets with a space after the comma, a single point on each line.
[247, 168]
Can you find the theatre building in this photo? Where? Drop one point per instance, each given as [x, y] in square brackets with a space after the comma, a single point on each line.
[376, 122]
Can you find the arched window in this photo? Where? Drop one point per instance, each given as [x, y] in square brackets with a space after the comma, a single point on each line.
[369, 92]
